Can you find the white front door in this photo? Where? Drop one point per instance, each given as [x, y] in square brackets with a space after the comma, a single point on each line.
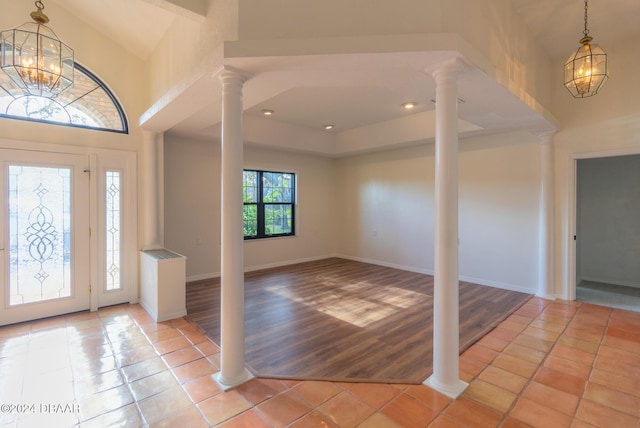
[44, 234]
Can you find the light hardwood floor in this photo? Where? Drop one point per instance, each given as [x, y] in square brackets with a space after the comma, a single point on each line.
[338, 319]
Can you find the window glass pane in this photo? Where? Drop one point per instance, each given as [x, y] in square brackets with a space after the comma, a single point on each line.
[113, 228]
[277, 219]
[277, 187]
[250, 186]
[36, 108]
[88, 103]
[250, 220]
[268, 203]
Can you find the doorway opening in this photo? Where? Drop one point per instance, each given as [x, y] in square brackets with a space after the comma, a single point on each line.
[607, 234]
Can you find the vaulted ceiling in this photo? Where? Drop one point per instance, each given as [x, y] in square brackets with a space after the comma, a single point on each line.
[354, 93]
[138, 25]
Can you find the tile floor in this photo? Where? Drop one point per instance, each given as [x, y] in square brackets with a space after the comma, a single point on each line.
[550, 364]
[615, 296]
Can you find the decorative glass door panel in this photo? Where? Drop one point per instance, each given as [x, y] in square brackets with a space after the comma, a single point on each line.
[113, 229]
[45, 235]
[39, 234]
[117, 245]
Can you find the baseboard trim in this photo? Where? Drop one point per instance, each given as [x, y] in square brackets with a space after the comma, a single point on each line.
[479, 281]
[286, 263]
[609, 281]
[488, 283]
[385, 264]
[203, 277]
[213, 275]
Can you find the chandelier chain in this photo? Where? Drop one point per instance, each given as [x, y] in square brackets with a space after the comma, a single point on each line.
[586, 29]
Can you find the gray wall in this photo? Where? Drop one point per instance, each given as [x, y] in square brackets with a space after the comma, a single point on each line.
[608, 220]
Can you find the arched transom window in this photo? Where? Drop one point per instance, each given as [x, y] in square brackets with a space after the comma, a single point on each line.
[87, 104]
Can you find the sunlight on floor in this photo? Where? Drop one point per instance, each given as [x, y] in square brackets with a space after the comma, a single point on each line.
[379, 304]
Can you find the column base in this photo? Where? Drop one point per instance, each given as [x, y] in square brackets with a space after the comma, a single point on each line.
[546, 296]
[226, 384]
[451, 391]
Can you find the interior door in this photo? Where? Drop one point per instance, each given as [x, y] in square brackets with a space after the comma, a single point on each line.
[44, 235]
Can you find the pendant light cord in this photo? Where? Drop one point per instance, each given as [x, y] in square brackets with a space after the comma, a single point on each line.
[586, 29]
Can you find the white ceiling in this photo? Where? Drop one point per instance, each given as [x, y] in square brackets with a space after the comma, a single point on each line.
[351, 91]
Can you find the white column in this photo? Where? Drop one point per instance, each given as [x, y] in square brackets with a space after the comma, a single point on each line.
[151, 180]
[445, 377]
[232, 369]
[546, 273]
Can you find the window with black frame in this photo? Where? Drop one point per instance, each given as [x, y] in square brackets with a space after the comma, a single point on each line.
[269, 204]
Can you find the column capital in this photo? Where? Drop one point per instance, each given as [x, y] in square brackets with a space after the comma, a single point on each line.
[448, 69]
[231, 75]
[545, 136]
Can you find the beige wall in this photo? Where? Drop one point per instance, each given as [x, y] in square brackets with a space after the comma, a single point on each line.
[374, 192]
[337, 18]
[376, 207]
[505, 48]
[192, 206]
[604, 125]
[191, 49]
[122, 72]
[388, 209]
[500, 35]
[192, 203]
[316, 211]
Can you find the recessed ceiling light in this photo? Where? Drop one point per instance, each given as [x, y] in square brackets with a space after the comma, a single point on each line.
[267, 112]
[328, 127]
[409, 105]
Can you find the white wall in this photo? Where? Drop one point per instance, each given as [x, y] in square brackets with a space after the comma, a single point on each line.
[604, 125]
[335, 18]
[120, 70]
[492, 27]
[316, 213]
[608, 226]
[191, 48]
[376, 207]
[192, 203]
[386, 205]
[192, 206]
[387, 200]
[499, 211]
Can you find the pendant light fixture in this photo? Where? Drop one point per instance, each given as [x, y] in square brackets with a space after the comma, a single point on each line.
[586, 69]
[35, 59]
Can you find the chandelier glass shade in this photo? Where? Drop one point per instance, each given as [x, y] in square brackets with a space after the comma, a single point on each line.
[35, 59]
[585, 71]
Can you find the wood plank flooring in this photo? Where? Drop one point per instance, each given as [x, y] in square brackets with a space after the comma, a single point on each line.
[337, 319]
